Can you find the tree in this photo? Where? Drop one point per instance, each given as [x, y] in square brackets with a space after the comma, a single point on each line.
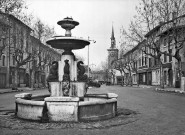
[3, 38]
[42, 31]
[120, 66]
[40, 62]
[14, 7]
[104, 67]
[151, 16]
[21, 58]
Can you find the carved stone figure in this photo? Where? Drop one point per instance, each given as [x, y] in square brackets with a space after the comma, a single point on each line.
[66, 76]
[81, 70]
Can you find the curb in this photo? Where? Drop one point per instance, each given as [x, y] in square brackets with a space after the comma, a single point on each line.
[10, 91]
[142, 86]
[173, 90]
[19, 90]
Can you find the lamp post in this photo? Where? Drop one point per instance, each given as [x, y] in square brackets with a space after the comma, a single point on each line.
[88, 55]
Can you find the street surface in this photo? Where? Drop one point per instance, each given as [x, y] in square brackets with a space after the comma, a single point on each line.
[157, 113]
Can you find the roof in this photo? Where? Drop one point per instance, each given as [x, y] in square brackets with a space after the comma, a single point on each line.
[16, 19]
[162, 24]
[135, 48]
[170, 29]
[153, 30]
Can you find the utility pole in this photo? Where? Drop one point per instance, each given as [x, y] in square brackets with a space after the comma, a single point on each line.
[88, 55]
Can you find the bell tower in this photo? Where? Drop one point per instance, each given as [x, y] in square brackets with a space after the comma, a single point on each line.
[112, 51]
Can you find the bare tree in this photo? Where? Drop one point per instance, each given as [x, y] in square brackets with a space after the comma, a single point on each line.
[14, 7]
[151, 16]
[42, 31]
[120, 66]
[3, 38]
[21, 58]
[104, 67]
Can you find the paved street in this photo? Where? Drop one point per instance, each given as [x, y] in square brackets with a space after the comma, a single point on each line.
[157, 113]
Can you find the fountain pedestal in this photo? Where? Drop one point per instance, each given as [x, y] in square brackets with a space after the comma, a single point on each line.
[62, 108]
[77, 89]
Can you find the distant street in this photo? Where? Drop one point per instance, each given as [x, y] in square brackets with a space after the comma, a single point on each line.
[158, 113]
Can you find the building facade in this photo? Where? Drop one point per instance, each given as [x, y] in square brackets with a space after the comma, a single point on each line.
[17, 47]
[169, 40]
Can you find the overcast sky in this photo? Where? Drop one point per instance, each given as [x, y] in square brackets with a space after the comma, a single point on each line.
[95, 17]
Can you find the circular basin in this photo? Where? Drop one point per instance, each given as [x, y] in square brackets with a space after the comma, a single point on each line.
[67, 43]
[66, 109]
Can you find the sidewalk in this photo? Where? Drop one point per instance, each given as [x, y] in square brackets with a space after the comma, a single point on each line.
[170, 89]
[143, 86]
[158, 88]
[9, 90]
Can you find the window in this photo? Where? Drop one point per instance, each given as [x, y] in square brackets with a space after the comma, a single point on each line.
[170, 57]
[155, 61]
[165, 41]
[14, 41]
[13, 58]
[150, 62]
[146, 60]
[165, 58]
[3, 60]
[140, 62]
[143, 61]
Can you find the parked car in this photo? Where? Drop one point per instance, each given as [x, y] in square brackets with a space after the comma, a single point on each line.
[108, 83]
[94, 84]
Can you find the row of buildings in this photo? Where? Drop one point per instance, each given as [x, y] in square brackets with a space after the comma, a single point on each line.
[158, 59]
[22, 53]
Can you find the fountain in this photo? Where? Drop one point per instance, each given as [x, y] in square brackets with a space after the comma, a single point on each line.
[68, 99]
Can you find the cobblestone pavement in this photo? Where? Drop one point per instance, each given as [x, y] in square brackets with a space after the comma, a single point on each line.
[10, 121]
[141, 111]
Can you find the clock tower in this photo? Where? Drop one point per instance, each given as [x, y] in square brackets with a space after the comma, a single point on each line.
[112, 51]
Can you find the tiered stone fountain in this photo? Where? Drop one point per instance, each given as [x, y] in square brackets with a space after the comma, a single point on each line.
[68, 100]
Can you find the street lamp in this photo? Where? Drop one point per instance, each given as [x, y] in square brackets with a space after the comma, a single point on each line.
[88, 54]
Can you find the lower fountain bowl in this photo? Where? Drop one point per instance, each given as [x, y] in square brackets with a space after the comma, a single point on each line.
[66, 109]
[67, 43]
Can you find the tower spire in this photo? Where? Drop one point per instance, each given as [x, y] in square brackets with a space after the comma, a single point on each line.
[112, 36]
[113, 41]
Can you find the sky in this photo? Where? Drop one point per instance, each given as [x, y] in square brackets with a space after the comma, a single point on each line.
[96, 18]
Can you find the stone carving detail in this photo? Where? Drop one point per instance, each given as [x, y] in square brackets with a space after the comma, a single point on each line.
[66, 76]
[81, 72]
[65, 88]
[53, 73]
[66, 79]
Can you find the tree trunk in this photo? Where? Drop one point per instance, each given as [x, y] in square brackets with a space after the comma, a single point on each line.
[137, 77]
[15, 83]
[32, 79]
[161, 76]
[122, 83]
[179, 74]
[131, 82]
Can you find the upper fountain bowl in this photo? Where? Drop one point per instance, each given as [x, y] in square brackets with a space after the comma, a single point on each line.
[68, 23]
[67, 43]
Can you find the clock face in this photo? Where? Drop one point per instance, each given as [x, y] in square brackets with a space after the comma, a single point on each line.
[112, 54]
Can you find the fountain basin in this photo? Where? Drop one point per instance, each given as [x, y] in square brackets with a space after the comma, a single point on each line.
[31, 109]
[67, 43]
[62, 109]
